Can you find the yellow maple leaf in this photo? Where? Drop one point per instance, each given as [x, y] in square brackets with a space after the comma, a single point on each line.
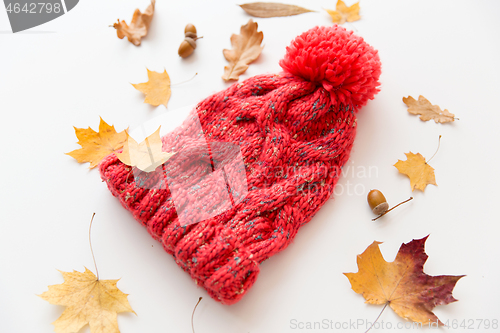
[157, 89]
[147, 155]
[417, 169]
[427, 111]
[246, 48]
[344, 13]
[138, 27]
[402, 284]
[97, 145]
[88, 301]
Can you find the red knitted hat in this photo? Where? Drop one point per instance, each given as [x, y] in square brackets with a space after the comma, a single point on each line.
[254, 162]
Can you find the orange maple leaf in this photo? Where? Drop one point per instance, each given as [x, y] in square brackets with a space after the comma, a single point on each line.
[97, 145]
[147, 155]
[344, 13]
[417, 169]
[157, 89]
[402, 284]
[138, 27]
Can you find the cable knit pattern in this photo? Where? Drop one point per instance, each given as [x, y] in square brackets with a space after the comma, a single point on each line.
[295, 131]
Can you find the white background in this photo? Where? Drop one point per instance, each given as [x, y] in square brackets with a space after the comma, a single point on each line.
[74, 69]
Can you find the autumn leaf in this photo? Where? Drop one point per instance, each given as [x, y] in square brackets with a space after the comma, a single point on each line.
[147, 155]
[246, 48]
[427, 111]
[402, 284]
[88, 301]
[344, 13]
[157, 89]
[97, 145]
[138, 27]
[272, 9]
[417, 169]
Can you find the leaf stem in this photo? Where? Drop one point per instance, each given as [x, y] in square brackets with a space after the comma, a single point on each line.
[352, 25]
[387, 211]
[377, 317]
[91, 250]
[192, 316]
[176, 84]
[439, 144]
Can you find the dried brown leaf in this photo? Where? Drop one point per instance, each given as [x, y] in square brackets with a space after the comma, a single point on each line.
[139, 26]
[272, 9]
[246, 49]
[427, 111]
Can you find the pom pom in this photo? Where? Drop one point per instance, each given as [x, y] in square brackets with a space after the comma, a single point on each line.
[341, 62]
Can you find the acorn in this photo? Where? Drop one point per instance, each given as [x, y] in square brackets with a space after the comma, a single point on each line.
[189, 43]
[377, 202]
[190, 28]
[187, 47]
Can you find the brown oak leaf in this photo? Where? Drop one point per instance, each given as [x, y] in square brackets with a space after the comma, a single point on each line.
[427, 111]
[139, 26]
[246, 49]
[402, 284]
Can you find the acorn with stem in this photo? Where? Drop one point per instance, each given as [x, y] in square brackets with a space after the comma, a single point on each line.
[379, 205]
